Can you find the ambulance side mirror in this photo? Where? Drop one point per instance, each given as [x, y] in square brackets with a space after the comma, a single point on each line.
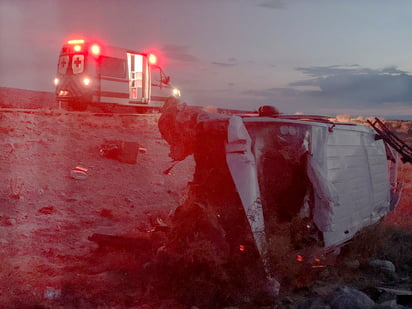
[166, 80]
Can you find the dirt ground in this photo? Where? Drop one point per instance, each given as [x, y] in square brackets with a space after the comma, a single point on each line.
[47, 214]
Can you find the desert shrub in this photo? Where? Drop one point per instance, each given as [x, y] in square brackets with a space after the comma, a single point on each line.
[283, 262]
[294, 254]
[367, 243]
[380, 241]
[190, 267]
[398, 249]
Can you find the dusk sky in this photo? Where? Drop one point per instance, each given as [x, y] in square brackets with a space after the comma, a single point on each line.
[317, 57]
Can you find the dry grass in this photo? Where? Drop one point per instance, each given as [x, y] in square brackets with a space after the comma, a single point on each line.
[401, 217]
[382, 242]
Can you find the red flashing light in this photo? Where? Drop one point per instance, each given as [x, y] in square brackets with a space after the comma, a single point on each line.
[77, 48]
[73, 42]
[299, 258]
[152, 59]
[95, 49]
[242, 248]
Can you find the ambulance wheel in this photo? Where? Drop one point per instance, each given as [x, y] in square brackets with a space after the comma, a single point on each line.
[78, 106]
[65, 106]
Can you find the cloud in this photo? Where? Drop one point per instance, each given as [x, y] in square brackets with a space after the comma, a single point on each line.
[350, 89]
[223, 64]
[273, 92]
[230, 62]
[273, 4]
[179, 52]
[324, 71]
[357, 85]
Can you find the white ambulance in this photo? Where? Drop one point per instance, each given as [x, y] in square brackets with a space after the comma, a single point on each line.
[89, 73]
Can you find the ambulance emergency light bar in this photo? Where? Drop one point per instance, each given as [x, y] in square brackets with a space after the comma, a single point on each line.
[95, 49]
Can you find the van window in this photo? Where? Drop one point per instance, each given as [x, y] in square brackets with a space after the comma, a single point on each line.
[113, 67]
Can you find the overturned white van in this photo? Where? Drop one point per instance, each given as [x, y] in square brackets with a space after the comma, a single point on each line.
[322, 180]
[349, 173]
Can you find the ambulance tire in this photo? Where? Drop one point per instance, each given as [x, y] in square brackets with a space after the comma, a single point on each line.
[64, 106]
[78, 106]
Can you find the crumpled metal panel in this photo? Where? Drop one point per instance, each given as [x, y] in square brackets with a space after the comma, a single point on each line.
[242, 165]
[348, 169]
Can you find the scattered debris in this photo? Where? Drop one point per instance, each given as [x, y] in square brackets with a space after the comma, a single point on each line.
[16, 187]
[6, 221]
[79, 173]
[382, 265]
[47, 210]
[106, 213]
[397, 296]
[125, 152]
[160, 225]
[52, 293]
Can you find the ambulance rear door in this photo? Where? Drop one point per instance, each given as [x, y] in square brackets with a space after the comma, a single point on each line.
[139, 81]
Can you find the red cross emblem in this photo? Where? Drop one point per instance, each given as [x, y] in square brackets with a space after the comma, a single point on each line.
[77, 62]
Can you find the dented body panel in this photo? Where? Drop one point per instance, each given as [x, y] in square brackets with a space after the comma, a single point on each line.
[347, 169]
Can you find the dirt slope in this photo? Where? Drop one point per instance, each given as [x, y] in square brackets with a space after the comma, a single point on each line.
[22, 98]
[46, 215]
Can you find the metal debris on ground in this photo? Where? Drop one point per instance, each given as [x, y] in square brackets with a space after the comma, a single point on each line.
[79, 173]
[125, 152]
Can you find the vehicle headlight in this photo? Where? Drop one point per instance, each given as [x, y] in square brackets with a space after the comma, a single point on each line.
[176, 92]
[86, 81]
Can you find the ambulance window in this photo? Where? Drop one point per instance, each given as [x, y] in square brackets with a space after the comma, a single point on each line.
[113, 67]
[156, 74]
[78, 64]
[63, 64]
